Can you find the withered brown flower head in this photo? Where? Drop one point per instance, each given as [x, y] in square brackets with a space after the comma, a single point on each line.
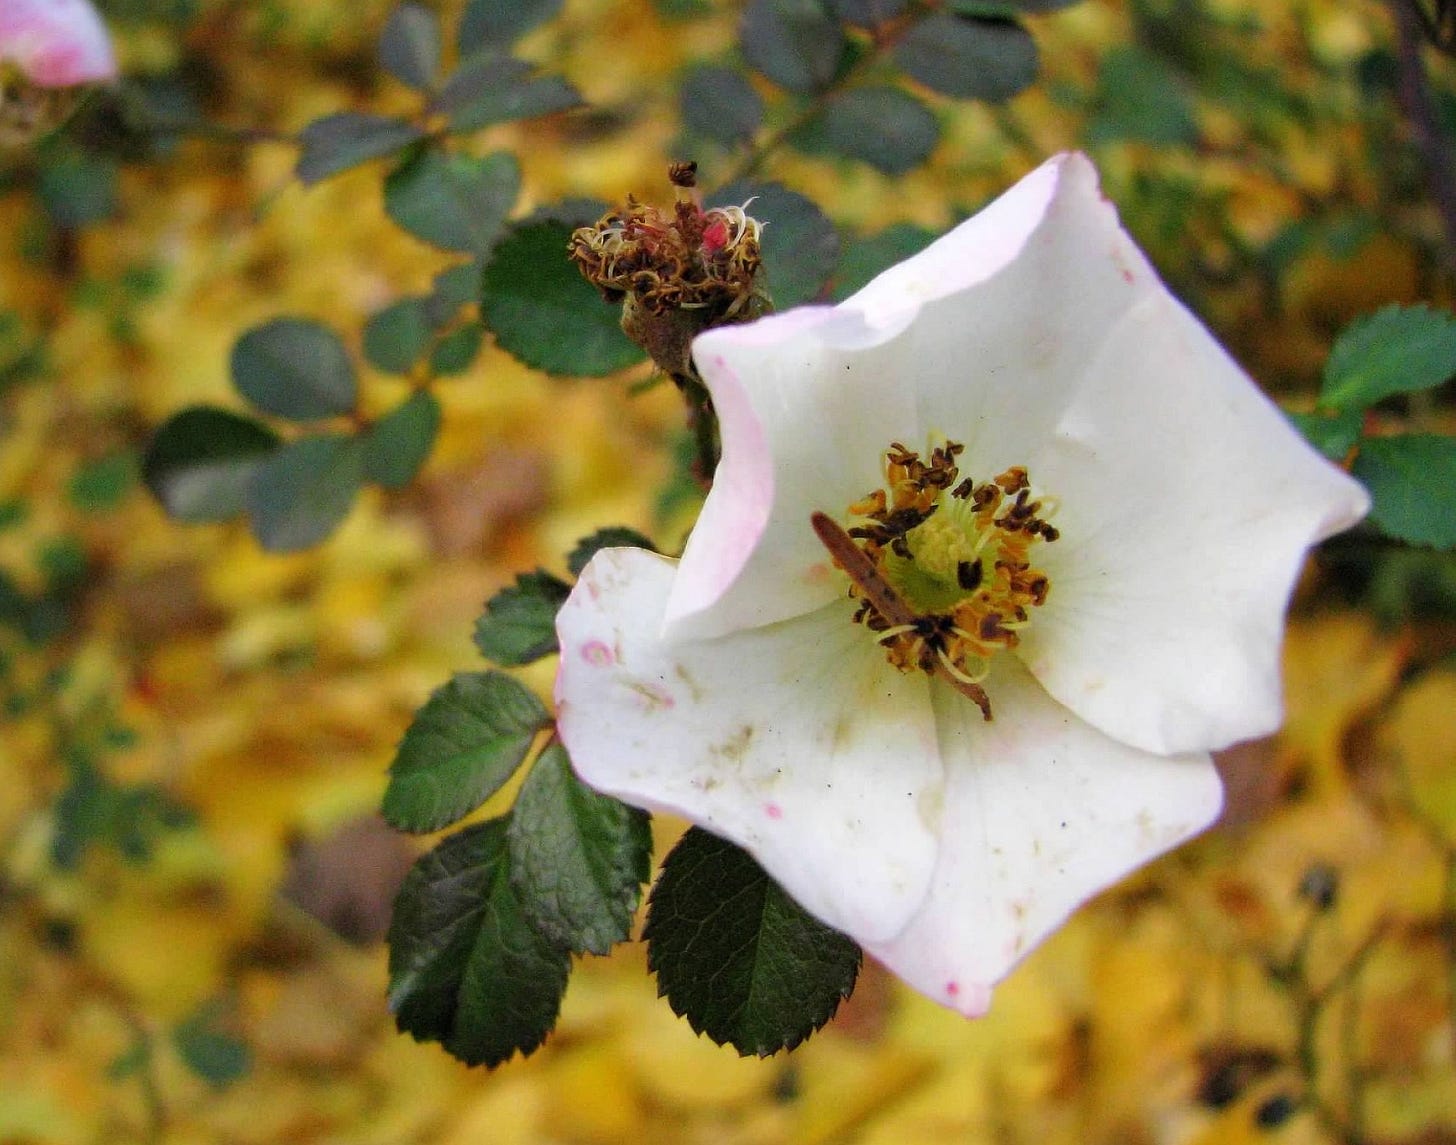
[676, 272]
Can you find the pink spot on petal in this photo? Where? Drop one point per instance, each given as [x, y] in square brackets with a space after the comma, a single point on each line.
[952, 988]
[597, 654]
[1127, 276]
[773, 810]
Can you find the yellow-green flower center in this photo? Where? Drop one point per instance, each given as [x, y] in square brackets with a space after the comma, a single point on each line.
[942, 567]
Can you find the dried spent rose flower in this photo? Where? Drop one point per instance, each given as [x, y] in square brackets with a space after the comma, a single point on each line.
[998, 551]
[676, 273]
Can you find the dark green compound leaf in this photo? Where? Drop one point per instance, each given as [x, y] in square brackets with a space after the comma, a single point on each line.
[345, 139]
[398, 443]
[491, 88]
[969, 58]
[499, 23]
[738, 958]
[466, 741]
[1333, 435]
[409, 46]
[200, 461]
[1412, 482]
[796, 43]
[1396, 350]
[800, 244]
[519, 623]
[466, 967]
[397, 337]
[455, 202]
[885, 127]
[543, 312]
[866, 257]
[720, 104]
[578, 859]
[294, 368]
[454, 353]
[300, 494]
[209, 1050]
[612, 537]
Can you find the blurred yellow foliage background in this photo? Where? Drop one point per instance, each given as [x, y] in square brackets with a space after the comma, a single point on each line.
[1196, 1003]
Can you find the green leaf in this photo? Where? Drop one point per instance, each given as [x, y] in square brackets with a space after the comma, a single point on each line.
[344, 139]
[398, 443]
[867, 13]
[456, 202]
[864, 258]
[499, 23]
[498, 89]
[396, 337]
[885, 127]
[720, 104]
[613, 536]
[294, 368]
[1412, 481]
[200, 461]
[78, 189]
[1333, 435]
[968, 58]
[103, 484]
[800, 244]
[466, 741]
[409, 46]
[300, 494]
[208, 1050]
[454, 353]
[738, 958]
[796, 43]
[519, 623]
[466, 967]
[578, 859]
[1396, 350]
[1141, 97]
[543, 312]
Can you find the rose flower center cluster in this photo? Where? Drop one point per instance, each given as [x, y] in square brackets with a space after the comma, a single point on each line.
[942, 567]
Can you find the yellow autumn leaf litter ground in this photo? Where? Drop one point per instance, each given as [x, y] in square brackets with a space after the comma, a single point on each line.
[1193, 1004]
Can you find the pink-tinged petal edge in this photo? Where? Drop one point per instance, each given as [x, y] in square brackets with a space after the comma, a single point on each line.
[796, 741]
[56, 43]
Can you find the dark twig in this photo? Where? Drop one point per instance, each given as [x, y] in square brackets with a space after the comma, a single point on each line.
[1420, 110]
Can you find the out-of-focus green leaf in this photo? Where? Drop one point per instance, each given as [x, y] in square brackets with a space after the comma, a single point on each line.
[210, 1051]
[409, 46]
[454, 353]
[885, 127]
[78, 189]
[720, 104]
[499, 23]
[344, 139]
[399, 443]
[497, 89]
[294, 368]
[456, 202]
[969, 58]
[1334, 436]
[396, 337]
[865, 257]
[200, 461]
[300, 494]
[1141, 97]
[795, 43]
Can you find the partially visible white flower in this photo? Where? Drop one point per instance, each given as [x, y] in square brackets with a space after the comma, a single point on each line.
[945, 697]
[55, 43]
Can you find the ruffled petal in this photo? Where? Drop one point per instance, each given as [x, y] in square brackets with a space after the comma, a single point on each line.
[796, 741]
[1041, 812]
[981, 338]
[56, 43]
[1187, 506]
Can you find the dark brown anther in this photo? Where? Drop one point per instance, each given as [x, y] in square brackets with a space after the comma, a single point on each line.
[968, 575]
[683, 174]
